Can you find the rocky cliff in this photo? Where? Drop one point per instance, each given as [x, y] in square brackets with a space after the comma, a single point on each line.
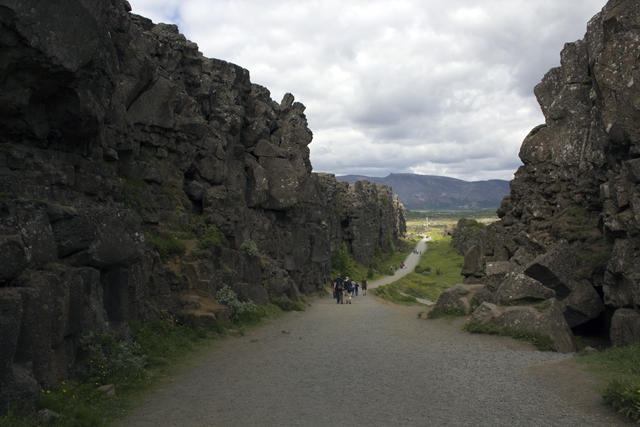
[570, 229]
[136, 173]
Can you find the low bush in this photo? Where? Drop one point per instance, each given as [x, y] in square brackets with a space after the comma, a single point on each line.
[112, 361]
[226, 296]
[249, 248]
[624, 397]
[166, 244]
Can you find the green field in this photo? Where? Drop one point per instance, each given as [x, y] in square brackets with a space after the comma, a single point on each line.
[439, 269]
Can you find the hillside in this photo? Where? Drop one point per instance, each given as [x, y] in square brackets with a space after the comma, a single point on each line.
[428, 192]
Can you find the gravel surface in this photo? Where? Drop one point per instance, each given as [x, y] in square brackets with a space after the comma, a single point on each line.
[372, 363]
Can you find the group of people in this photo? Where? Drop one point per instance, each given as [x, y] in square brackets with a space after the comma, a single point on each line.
[347, 287]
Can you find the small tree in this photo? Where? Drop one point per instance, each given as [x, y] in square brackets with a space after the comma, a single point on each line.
[392, 249]
[343, 261]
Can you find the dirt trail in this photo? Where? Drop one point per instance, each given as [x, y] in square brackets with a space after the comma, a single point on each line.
[373, 363]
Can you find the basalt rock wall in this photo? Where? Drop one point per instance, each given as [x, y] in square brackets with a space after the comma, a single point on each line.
[571, 224]
[118, 137]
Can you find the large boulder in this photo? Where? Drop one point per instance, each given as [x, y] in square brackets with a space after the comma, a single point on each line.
[549, 321]
[554, 270]
[457, 299]
[583, 304]
[625, 327]
[522, 287]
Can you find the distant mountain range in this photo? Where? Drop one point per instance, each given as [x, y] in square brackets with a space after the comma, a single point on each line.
[427, 192]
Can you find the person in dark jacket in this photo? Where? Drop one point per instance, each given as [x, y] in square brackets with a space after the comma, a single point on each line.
[338, 286]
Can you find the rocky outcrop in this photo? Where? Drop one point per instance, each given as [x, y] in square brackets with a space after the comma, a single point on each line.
[548, 321]
[457, 300]
[571, 226]
[138, 174]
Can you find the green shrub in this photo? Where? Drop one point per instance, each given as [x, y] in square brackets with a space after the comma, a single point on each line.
[166, 244]
[370, 273]
[624, 397]
[208, 236]
[392, 249]
[226, 296]
[343, 262]
[249, 248]
[135, 189]
[113, 361]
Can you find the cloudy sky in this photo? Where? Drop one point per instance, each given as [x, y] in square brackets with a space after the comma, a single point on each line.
[407, 86]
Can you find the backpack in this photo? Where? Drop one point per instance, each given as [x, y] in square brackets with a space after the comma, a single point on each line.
[338, 284]
[348, 286]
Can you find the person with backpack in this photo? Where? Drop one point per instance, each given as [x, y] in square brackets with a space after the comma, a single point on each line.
[348, 287]
[338, 285]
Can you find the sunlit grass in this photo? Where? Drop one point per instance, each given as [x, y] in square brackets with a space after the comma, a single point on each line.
[439, 269]
[619, 369]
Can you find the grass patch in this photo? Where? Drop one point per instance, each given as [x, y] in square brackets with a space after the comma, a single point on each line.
[542, 341]
[448, 315]
[288, 305]
[419, 286]
[390, 293]
[160, 347]
[440, 258]
[530, 302]
[619, 367]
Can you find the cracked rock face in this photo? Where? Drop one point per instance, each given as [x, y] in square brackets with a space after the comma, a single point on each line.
[572, 221]
[132, 135]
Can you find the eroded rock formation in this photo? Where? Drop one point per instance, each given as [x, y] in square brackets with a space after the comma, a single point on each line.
[570, 228]
[116, 137]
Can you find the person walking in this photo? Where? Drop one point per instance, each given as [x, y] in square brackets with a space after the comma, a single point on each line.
[364, 286]
[338, 286]
[357, 284]
[348, 287]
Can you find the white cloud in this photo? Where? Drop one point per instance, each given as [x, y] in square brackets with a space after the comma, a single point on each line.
[405, 86]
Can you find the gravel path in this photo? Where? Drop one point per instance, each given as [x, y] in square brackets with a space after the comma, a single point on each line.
[372, 363]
